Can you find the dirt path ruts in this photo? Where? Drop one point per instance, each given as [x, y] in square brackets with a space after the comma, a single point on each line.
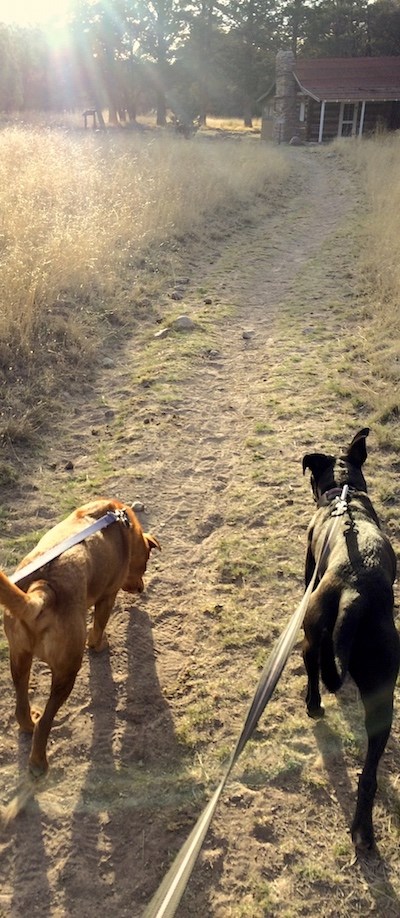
[211, 442]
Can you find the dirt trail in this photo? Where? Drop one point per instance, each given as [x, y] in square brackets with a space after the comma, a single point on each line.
[210, 439]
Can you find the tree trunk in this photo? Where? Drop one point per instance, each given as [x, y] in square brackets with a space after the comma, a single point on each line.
[161, 109]
[112, 114]
[247, 114]
[132, 111]
[161, 71]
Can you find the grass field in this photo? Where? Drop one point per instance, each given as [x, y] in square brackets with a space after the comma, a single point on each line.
[89, 225]
[379, 262]
[209, 428]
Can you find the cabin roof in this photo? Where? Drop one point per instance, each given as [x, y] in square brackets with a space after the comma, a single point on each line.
[351, 79]
[346, 79]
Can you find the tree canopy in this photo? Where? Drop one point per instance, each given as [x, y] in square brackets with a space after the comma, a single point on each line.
[191, 56]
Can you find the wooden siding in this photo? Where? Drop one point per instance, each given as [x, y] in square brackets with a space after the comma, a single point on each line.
[377, 115]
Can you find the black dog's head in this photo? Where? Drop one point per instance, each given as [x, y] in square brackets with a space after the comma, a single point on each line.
[328, 472]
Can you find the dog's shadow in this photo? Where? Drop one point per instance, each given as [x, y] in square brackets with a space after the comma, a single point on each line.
[372, 866]
[352, 710]
[134, 809]
[31, 861]
[136, 786]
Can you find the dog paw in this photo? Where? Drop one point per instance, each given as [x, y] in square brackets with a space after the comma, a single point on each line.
[96, 644]
[363, 841]
[38, 769]
[26, 726]
[316, 712]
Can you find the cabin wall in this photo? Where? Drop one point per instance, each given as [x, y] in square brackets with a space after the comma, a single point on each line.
[378, 115]
[331, 120]
[385, 115]
[289, 113]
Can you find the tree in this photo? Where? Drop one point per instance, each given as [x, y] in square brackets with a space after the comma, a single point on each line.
[34, 64]
[197, 56]
[383, 20]
[158, 29]
[199, 26]
[336, 28]
[11, 77]
[253, 26]
[103, 34]
[293, 21]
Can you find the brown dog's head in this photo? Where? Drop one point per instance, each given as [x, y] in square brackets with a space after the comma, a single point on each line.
[137, 544]
[141, 545]
[328, 472]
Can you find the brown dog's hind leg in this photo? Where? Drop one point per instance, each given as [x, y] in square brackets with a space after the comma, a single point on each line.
[20, 670]
[60, 691]
[102, 610]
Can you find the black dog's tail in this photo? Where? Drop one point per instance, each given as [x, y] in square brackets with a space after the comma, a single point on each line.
[336, 645]
[332, 674]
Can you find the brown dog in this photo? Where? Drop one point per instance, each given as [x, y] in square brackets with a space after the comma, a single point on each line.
[47, 617]
[349, 624]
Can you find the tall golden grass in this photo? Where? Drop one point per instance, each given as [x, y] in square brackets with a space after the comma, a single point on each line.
[77, 211]
[379, 161]
[73, 210]
[232, 124]
[376, 161]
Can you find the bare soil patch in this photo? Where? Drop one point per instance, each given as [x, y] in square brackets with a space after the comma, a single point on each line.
[208, 429]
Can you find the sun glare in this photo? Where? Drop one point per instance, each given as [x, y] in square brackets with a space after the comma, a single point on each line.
[33, 12]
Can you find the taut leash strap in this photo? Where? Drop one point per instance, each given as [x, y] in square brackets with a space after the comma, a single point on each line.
[168, 896]
[36, 565]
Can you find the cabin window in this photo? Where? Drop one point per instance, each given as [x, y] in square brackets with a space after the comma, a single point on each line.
[302, 112]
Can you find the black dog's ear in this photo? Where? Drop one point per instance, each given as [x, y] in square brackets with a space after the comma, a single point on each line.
[357, 451]
[317, 462]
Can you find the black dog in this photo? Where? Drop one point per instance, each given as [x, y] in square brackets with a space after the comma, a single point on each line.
[349, 623]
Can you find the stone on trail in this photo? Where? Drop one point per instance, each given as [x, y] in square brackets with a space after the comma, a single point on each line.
[183, 323]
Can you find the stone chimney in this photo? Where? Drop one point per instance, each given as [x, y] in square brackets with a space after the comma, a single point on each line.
[285, 122]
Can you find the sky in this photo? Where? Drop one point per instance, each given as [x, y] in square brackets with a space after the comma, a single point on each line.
[32, 12]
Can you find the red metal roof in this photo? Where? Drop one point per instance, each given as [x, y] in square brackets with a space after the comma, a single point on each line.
[353, 79]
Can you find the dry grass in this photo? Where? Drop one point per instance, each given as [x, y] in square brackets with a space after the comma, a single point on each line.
[279, 844]
[232, 124]
[74, 121]
[375, 162]
[85, 221]
[379, 161]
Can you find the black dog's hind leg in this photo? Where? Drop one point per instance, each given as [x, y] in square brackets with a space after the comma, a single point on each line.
[378, 722]
[311, 657]
[311, 649]
[311, 662]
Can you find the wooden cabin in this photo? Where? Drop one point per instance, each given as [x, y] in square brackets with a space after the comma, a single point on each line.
[323, 98]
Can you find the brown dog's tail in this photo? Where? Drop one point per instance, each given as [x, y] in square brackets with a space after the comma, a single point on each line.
[15, 600]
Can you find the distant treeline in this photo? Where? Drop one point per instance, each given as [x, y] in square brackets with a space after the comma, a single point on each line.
[192, 56]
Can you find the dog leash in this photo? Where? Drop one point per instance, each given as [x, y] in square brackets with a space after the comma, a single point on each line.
[168, 895]
[341, 503]
[337, 497]
[112, 516]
